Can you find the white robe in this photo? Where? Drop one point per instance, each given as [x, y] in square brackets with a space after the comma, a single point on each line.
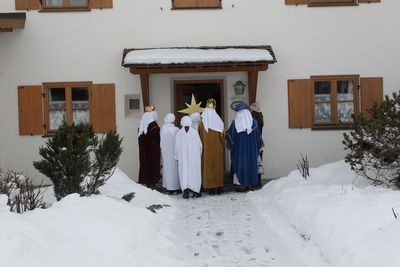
[170, 176]
[188, 149]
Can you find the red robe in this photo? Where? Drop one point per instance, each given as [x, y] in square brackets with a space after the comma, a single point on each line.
[149, 155]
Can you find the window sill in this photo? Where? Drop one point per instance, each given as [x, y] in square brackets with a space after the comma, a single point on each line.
[332, 127]
[193, 8]
[81, 9]
[332, 4]
[48, 135]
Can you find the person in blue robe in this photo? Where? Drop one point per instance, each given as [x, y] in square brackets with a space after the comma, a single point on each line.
[244, 142]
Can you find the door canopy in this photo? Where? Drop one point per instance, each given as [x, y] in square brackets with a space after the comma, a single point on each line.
[250, 59]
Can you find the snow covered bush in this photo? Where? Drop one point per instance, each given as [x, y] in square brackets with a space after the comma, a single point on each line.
[78, 161]
[22, 194]
[374, 144]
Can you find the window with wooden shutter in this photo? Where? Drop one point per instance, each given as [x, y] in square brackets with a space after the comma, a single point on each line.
[103, 107]
[300, 104]
[27, 4]
[62, 5]
[329, 102]
[30, 112]
[189, 4]
[371, 92]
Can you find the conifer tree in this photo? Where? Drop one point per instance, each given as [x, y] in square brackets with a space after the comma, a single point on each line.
[77, 161]
[374, 144]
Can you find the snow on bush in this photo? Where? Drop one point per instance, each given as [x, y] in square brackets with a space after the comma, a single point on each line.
[351, 223]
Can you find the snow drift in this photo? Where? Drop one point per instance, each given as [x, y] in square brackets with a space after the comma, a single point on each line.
[351, 223]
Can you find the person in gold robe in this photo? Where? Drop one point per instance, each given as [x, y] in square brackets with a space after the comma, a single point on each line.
[211, 131]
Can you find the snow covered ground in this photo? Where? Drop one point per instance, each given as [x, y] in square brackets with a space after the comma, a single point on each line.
[326, 220]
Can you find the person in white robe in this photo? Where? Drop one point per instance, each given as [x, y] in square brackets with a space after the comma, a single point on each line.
[195, 117]
[170, 177]
[188, 149]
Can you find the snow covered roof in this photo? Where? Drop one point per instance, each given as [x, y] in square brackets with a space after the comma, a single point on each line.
[198, 55]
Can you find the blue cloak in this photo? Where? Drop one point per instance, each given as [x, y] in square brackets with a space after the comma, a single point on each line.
[244, 149]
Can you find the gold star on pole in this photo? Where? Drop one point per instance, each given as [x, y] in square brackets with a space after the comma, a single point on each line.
[192, 108]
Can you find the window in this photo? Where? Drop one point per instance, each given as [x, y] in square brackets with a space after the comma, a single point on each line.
[42, 108]
[65, 4]
[69, 102]
[191, 4]
[62, 5]
[334, 99]
[328, 102]
[329, 2]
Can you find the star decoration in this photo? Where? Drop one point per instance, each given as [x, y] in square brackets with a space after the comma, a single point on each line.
[192, 108]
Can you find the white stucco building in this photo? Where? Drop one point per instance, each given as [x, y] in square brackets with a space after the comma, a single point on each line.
[86, 47]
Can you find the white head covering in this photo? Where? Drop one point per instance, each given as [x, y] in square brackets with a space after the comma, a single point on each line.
[195, 117]
[186, 121]
[243, 121]
[211, 120]
[147, 118]
[169, 118]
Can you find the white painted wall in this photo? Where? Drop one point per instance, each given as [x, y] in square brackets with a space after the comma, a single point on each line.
[88, 46]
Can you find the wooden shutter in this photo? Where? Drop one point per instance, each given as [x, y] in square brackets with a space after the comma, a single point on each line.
[101, 3]
[209, 3]
[300, 103]
[184, 3]
[371, 92]
[27, 5]
[297, 2]
[102, 112]
[30, 112]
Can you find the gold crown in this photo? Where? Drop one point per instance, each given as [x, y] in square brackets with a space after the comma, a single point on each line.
[211, 103]
[149, 108]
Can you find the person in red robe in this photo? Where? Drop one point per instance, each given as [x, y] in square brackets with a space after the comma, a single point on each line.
[149, 148]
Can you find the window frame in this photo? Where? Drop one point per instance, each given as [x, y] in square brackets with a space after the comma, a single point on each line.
[333, 79]
[65, 7]
[68, 102]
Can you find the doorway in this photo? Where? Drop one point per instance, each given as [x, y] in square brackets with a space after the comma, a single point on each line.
[202, 90]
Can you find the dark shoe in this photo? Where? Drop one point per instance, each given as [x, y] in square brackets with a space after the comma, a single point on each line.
[220, 190]
[211, 191]
[196, 195]
[177, 192]
[240, 189]
[186, 194]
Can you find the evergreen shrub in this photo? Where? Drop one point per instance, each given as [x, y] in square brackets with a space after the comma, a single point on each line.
[374, 144]
[78, 161]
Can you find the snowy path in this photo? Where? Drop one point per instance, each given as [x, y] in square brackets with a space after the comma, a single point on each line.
[228, 230]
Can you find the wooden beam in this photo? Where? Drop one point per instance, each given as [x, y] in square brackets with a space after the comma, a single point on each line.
[252, 77]
[145, 84]
[198, 69]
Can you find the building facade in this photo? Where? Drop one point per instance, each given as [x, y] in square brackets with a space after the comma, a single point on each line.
[72, 53]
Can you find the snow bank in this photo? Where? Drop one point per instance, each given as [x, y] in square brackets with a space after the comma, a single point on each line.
[90, 231]
[350, 222]
[120, 184]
